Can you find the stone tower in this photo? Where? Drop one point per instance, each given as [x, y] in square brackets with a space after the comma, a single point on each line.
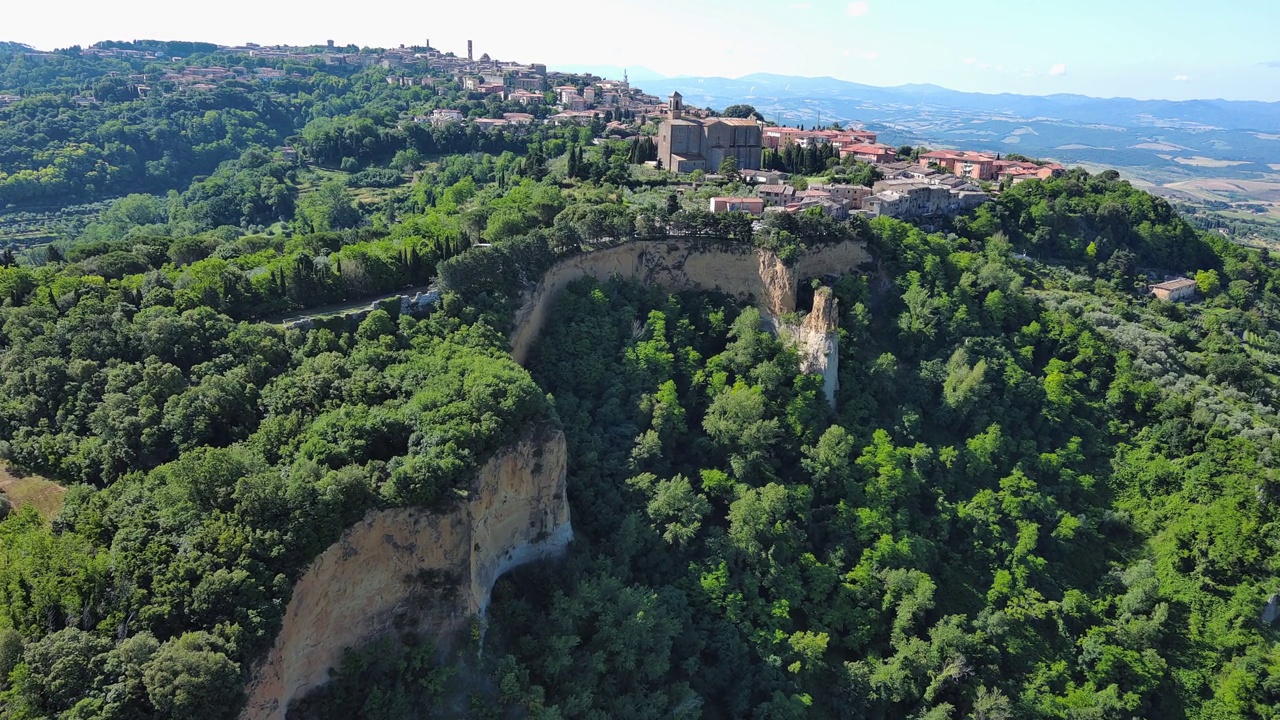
[675, 106]
[469, 57]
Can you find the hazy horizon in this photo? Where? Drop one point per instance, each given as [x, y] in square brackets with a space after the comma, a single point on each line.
[1171, 50]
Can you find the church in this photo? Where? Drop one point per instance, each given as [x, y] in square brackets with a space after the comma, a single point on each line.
[686, 144]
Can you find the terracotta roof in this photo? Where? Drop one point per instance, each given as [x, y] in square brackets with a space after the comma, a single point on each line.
[1175, 284]
[958, 155]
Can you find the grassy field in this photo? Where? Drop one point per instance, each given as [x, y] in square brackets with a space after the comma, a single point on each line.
[313, 176]
[27, 489]
[1201, 161]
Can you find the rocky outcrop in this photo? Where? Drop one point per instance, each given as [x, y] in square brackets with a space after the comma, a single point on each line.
[1271, 613]
[750, 275]
[408, 569]
[816, 341]
[820, 343]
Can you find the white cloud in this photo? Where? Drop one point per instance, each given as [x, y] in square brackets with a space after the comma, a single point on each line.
[1059, 69]
[1181, 78]
[971, 61]
[859, 8]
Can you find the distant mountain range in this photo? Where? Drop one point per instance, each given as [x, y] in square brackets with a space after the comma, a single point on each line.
[1161, 140]
[1230, 114]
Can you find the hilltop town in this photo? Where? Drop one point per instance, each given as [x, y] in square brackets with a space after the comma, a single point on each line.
[689, 142]
[312, 353]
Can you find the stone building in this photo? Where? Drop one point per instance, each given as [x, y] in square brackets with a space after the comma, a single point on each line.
[851, 195]
[1176, 290]
[908, 198]
[686, 144]
[751, 205]
[972, 165]
[777, 195]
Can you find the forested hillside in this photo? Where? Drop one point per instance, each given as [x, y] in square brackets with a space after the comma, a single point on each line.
[1041, 492]
[81, 131]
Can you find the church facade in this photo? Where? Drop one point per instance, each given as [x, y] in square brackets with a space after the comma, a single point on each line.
[686, 144]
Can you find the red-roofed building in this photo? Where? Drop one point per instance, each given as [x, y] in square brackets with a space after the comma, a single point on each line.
[752, 205]
[1175, 290]
[874, 154]
[776, 137]
[973, 165]
[524, 97]
[1016, 171]
[777, 194]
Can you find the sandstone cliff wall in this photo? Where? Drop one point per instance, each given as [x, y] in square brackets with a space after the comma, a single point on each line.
[818, 338]
[750, 275]
[408, 569]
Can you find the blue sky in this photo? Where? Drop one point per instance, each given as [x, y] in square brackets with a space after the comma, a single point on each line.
[1177, 49]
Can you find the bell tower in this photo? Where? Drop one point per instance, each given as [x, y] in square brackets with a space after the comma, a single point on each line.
[675, 106]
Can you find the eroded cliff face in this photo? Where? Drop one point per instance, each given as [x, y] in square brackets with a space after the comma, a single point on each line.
[819, 342]
[749, 275]
[408, 569]
[816, 341]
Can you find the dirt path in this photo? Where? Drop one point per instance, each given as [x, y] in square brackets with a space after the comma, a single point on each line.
[344, 307]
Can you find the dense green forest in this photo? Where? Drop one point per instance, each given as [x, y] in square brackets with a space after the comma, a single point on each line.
[1040, 493]
[1035, 500]
[82, 133]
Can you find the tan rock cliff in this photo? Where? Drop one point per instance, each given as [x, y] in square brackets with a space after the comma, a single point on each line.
[409, 569]
[818, 340]
[750, 275]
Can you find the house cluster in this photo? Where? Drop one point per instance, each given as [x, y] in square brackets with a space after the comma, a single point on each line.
[908, 190]
[7, 100]
[986, 167]
[194, 78]
[859, 144]
[507, 120]
[914, 197]
[836, 201]
[598, 95]
[102, 52]
[689, 141]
